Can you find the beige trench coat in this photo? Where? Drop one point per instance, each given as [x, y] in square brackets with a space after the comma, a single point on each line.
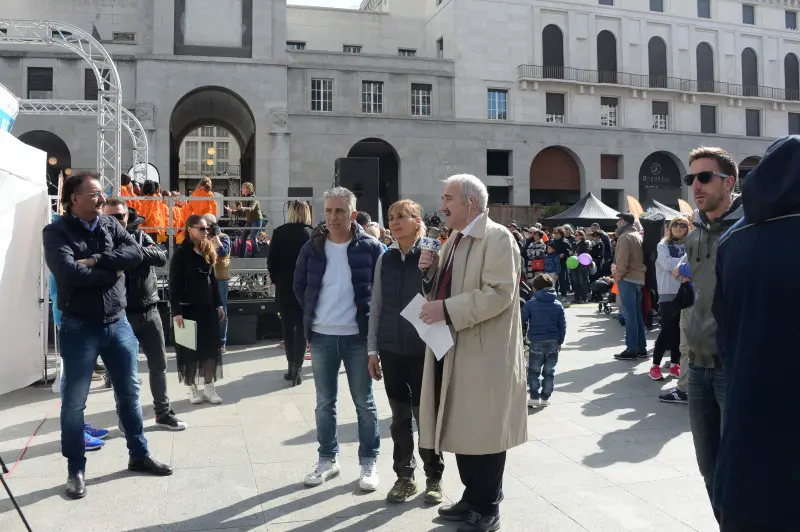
[483, 403]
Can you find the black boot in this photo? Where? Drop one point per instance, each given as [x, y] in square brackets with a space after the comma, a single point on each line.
[296, 378]
[288, 376]
[76, 486]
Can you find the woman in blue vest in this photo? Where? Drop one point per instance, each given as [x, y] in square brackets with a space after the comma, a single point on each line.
[397, 353]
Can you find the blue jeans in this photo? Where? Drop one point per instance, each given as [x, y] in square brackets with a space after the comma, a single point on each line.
[116, 344]
[580, 282]
[542, 362]
[223, 327]
[327, 354]
[253, 235]
[706, 403]
[630, 301]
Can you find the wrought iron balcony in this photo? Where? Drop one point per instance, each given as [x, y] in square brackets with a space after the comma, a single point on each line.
[219, 169]
[645, 82]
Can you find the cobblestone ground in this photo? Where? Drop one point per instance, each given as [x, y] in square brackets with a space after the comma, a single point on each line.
[605, 456]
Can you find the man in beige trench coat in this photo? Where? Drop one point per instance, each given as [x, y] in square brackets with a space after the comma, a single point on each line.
[473, 401]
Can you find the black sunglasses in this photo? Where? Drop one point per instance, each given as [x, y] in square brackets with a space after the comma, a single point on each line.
[203, 229]
[118, 215]
[703, 177]
[681, 226]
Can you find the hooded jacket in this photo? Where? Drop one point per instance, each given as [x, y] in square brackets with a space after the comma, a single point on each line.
[545, 317]
[362, 256]
[701, 256]
[758, 475]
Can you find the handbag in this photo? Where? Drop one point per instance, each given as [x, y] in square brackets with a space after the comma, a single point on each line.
[685, 295]
[537, 265]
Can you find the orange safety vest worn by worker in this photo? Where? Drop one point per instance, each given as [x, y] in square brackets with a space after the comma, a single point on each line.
[199, 207]
[155, 214]
[127, 191]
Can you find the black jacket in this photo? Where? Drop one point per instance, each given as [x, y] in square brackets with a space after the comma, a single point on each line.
[192, 280]
[401, 281]
[287, 240]
[91, 294]
[141, 282]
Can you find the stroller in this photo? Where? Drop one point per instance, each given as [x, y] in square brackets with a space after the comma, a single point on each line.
[601, 293]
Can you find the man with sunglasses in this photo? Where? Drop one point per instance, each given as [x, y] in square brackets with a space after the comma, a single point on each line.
[88, 254]
[141, 286]
[712, 178]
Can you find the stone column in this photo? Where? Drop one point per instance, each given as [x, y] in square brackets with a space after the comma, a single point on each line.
[278, 165]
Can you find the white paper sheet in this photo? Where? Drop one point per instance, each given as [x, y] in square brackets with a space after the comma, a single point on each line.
[186, 335]
[436, 335]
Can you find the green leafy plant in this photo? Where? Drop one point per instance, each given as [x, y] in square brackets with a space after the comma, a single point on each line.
[552, 210]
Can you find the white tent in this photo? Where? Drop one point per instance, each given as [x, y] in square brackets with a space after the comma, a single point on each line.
[24, 211]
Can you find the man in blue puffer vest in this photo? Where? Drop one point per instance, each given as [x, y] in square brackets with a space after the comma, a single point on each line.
[333, 283]
[757, 480]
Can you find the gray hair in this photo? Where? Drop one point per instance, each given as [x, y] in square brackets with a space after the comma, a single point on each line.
[341, 192]
[210, 218]
[471, 187]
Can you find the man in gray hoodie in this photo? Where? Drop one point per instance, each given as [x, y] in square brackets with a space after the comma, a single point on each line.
[712, 177]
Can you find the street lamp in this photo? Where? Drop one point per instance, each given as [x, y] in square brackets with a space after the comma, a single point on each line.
[52, 161]
[212, 151]
[210, 162]
[68, 172]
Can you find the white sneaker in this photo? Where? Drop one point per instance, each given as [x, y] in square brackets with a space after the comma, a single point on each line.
[211, 395]
[325, 469]
[534, 403]
[369, 475]
[195, 397]
[544, 402]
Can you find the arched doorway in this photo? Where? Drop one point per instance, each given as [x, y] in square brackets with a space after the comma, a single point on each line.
[553, 52]
[744, 168]
[791, 75]
[705, 67]
[749, 72]
[59, 158]
[213, 117]
[660, 178]
[657, 62]
[555, 176]
[606, 57]
[388, 168]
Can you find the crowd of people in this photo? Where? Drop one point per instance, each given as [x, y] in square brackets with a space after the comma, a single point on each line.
[341, 288]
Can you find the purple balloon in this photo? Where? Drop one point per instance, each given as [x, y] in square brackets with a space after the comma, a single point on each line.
[585, 259]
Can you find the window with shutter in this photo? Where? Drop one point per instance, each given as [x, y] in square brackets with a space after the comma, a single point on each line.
[90, 83]
[40, 83]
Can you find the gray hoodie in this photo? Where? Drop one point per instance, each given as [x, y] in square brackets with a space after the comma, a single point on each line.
[701, 256]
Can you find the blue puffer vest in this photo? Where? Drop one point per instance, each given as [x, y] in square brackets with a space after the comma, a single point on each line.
[362, 254]
[401, 281]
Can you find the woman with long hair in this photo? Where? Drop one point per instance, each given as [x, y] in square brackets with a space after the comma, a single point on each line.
[194, 295]
[397, 353]
[669, 250]
[283, 251]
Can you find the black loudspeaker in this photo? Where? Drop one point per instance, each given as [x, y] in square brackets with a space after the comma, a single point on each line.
[361, 175]
[653, 225]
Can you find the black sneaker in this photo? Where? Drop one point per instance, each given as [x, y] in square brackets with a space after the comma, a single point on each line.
[480, 523]
[674, 396]
[643, 354]
[459, 511]
[626, 355]
[170, 422]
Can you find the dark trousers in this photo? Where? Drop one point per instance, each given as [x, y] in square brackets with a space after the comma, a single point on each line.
[482, 476]
[731, 524]
[706, 404]
[402, 377]
[149, 330]
[669, 339]
[294, 338]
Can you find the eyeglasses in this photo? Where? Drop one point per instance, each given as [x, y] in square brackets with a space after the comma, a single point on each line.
[94, 195]
[118, 215]
[681, 226]
[203, 229]
[703, 177]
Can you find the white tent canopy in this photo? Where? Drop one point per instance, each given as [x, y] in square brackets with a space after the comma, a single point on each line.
[24, 211]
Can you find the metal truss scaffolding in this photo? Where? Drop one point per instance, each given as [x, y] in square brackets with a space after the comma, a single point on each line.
[88, 107]
[109, 89]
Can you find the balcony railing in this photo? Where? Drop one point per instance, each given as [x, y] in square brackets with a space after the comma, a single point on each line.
[646, 81]
[220, 169]
[552, 118]
[661, 122]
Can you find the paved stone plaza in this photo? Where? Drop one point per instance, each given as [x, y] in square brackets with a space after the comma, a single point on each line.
[605, 456]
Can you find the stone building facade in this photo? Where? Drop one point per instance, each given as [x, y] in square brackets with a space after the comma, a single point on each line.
[544, 100]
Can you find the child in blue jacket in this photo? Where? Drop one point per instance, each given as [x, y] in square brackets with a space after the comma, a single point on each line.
[547, 327]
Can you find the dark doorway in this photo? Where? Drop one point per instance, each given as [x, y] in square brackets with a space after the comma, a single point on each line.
[555, 177]
[657, 61]
[611, 197]
[59, 158]
[705, 68]
[389, 169]
[791, 75]
[606, 57]
[553, 52]
[660, 179]
[749, 72]
[217, 109]
[744, 168]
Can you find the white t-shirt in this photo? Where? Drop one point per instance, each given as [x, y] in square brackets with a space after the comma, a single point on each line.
[335, 314]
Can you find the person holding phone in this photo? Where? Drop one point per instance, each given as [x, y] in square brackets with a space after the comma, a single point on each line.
[194, 295]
